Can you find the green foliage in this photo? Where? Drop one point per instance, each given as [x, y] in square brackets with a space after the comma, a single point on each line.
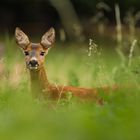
[23, 118]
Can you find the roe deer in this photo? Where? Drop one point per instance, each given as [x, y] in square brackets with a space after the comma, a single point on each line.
[41, 88]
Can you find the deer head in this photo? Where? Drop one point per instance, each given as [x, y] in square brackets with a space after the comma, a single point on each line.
[35, 52]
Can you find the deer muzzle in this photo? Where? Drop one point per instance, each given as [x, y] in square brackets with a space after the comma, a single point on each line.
[33, 64]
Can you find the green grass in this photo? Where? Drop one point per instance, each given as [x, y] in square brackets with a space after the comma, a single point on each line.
[23, 118]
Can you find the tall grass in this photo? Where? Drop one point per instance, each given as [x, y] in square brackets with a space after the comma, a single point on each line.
[22, 117]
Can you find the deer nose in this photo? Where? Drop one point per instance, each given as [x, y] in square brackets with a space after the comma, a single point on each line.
[33, 63]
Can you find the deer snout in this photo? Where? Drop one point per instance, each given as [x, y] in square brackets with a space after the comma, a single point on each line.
[33, 63]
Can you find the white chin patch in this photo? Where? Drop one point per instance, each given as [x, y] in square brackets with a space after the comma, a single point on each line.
[33, 68]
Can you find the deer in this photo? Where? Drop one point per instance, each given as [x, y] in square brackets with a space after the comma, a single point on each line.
[41, 88]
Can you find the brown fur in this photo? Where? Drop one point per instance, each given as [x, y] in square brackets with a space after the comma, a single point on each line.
[41, 88]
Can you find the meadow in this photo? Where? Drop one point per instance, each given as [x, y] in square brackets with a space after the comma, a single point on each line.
[91, 64]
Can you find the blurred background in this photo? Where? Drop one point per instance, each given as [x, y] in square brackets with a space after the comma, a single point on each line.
[73, 19]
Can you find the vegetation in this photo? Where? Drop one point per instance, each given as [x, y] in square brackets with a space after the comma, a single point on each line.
[88, 65]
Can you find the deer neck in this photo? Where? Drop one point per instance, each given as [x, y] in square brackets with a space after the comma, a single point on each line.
[39, 82]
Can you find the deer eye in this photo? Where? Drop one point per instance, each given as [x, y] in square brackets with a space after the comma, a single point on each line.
[42, 53]
[26, 53]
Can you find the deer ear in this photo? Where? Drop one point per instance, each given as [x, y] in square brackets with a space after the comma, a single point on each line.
[48, 38]
[21, 38]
